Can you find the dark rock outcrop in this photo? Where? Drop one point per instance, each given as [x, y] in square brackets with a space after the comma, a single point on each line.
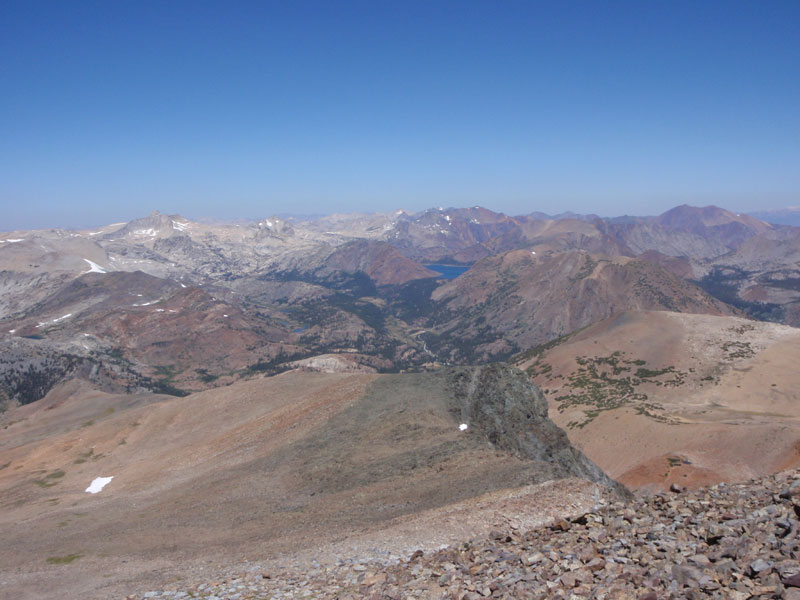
[503, 403]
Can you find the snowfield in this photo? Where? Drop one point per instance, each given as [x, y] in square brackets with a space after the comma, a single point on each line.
[98, 484]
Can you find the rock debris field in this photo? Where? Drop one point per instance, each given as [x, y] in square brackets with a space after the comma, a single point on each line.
[732, 541]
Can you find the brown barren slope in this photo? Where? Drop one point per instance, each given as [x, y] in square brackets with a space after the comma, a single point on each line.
[263, 468]
[657, 398]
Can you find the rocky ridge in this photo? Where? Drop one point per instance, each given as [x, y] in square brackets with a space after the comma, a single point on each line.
[733, 541]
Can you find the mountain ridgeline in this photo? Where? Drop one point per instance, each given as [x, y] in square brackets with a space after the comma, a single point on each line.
[187, 305]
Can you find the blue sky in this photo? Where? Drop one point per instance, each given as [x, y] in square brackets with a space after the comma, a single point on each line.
[245, 109]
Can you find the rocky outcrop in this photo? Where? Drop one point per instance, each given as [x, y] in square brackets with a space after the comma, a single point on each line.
[736, 542]
[503, 403]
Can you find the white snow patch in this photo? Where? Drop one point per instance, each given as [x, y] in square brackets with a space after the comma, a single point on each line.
[226, 316]
[94, 267]
[13, 241]
[146, 303]
[180, 226]
[447, 217]
[463, 427]
[151, 232]
[11, 330]
[159, 310]
[43, 323]
[138, 295]
[98, 484]
[532, 252]
[183, 286]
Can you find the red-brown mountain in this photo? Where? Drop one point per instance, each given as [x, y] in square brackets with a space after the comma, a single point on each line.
[380, 261]
[711, 219]
[162, 327]
[520, 299]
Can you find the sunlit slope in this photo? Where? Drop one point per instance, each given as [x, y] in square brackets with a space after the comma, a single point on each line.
[265, 466]
[660, 397]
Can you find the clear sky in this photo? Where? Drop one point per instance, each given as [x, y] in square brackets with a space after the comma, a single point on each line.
[236, 109]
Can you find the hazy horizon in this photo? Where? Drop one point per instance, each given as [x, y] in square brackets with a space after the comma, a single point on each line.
[211, 219]
[242, 111]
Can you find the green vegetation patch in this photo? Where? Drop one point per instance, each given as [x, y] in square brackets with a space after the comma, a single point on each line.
[540, 350]
[85, 456]
[205, 376]
[539, 369]
[588, 267]
[50, 479]
[63, 560]
[602, 383]
[164, 384]
[738, 350]
[166, 371]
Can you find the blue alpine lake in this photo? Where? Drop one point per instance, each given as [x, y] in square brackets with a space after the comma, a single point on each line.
[448, 271]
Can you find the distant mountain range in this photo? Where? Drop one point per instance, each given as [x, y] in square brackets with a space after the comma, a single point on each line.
[780, 216]
[188, 305]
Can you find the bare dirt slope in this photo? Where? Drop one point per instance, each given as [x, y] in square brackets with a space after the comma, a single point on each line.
[257, 470]
[660, 397]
